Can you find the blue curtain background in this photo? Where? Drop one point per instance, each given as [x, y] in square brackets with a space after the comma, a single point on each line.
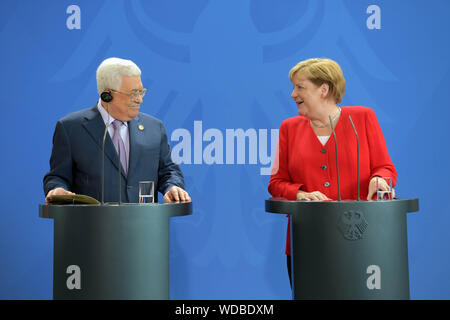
[226, 64]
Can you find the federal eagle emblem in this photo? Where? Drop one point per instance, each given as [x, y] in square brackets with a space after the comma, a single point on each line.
[352, 224]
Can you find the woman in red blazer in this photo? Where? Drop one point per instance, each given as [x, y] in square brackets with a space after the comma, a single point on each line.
[305, 167]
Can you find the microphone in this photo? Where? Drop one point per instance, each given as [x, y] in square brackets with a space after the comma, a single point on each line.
[337, 158]
[107, 97]
[103, 166]
[120, 167]
[357, 156]
[103, 162]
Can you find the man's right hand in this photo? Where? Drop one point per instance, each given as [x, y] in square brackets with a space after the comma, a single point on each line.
[56, 191]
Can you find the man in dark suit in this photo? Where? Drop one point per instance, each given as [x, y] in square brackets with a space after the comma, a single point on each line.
[76, 160]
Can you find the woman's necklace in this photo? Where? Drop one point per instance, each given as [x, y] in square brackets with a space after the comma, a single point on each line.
[327, 124]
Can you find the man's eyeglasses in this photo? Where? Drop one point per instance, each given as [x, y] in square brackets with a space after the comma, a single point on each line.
[134, 94]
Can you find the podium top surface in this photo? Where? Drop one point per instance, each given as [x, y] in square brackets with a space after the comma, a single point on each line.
[168, 209]
[281, 205]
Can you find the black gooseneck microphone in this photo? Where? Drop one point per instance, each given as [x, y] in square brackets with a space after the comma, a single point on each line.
[107, 98]
[357, 155]
[120, 166]
[103, 165]
[103, 162]
[337, 158]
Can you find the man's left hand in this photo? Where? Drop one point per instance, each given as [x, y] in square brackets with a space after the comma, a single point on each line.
[176, 194]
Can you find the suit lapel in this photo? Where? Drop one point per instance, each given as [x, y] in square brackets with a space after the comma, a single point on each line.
[93, 123]
[136, 139]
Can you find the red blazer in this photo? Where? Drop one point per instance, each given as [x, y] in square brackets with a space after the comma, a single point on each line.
[302, 161]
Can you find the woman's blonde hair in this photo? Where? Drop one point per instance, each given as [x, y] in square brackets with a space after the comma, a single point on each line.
[320, 71]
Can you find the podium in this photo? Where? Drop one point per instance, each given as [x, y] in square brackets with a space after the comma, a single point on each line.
[348, 249]
[112, 251]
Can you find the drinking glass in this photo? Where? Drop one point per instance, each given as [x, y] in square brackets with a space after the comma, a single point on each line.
[146, 192]
[384, 194]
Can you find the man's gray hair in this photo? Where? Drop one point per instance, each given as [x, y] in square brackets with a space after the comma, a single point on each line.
[110, 72]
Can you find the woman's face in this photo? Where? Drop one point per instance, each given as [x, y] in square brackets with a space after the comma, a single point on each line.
[306, 94]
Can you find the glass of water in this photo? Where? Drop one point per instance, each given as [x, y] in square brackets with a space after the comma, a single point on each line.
[146, 192]
[384, 194]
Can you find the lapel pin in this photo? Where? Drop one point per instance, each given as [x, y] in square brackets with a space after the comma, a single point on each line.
[141, 127]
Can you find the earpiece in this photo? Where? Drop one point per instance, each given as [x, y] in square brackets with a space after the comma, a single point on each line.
[106, 96]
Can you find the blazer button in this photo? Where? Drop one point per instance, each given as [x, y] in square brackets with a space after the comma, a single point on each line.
[326, 184]
[324, 167]
[323, 150]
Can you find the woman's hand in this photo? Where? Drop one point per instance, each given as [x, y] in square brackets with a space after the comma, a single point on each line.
[315, 196]
[382, 186]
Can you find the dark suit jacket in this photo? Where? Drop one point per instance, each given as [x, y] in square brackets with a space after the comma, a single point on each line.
[76, 159]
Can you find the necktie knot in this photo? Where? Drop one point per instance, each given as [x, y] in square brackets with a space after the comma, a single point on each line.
[117, 124]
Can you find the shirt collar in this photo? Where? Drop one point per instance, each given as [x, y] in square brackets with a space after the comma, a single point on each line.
[107, 118]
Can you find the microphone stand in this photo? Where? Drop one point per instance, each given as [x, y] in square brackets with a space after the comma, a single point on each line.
[120, 166]
[357, 157]
[103, 156]
[337, 158]
[103, 164]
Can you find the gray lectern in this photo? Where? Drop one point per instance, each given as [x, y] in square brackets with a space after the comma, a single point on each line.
[112, 251]
[348, 249]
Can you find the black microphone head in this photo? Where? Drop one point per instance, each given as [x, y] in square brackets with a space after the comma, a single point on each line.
[106, 96]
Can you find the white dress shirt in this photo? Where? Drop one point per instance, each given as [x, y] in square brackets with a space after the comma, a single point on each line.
[108, 119]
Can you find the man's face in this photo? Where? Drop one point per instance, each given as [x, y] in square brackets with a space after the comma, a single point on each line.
[123, 107]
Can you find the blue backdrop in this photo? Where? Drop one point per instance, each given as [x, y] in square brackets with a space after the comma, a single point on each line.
[213, 67]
